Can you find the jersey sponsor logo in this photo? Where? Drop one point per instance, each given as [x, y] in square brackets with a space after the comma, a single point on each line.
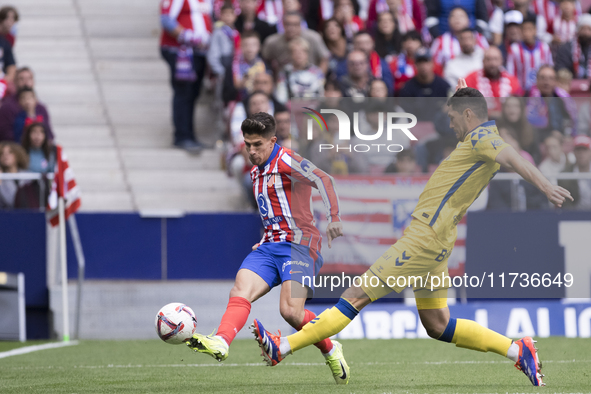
[262, 205]
[296, 272]
[272, 221]
[294, 262]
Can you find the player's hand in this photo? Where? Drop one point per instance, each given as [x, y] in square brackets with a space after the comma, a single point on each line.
[334, 230]
[255, 246]
[556, 195]
[461, 84]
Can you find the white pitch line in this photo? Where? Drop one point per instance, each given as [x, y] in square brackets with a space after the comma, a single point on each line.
[117, 366]
[30, 349]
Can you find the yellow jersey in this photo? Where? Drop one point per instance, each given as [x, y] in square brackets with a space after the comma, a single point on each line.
[459, 180]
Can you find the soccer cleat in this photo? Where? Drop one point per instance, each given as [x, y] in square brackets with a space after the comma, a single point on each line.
[269, 343]
[338, 365]
[528, 361]
[209, 344]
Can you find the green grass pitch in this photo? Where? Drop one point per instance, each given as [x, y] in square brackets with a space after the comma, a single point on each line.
[377, 366]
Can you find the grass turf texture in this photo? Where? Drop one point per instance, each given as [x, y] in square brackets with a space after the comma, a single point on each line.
[377, 366]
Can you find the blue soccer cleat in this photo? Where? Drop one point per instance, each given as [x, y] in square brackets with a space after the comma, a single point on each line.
[269, 343]
[528, 361]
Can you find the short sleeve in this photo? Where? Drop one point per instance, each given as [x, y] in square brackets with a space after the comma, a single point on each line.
[486, 144]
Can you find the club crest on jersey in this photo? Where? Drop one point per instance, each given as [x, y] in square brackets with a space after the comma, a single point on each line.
[263, 209]
[271, 181]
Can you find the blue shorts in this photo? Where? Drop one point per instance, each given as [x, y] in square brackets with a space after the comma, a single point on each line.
[281, 261]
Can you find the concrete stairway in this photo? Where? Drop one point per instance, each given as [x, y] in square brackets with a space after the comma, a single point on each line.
[98, 69]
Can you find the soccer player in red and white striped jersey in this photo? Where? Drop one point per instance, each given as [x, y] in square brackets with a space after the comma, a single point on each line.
[289, 252]
[525, 58]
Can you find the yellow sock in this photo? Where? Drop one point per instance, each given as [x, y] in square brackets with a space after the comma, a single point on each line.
[471, 335]
[325, 325]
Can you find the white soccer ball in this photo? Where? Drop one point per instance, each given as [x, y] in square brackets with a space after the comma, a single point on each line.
[175, 323]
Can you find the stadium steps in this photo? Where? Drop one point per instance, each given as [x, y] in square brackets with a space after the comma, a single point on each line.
[98, 70]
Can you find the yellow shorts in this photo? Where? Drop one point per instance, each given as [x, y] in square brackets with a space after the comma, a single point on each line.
[412, 261]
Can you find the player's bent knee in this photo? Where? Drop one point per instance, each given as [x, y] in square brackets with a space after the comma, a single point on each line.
[292, 315]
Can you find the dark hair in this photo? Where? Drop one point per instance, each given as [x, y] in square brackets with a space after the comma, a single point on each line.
[23, 91]
[4, 13]
[469, 98]
[26, 139]
[227, 6]
[250, 34]
[260, 123]
[460, 8]
[412, 35]
[530, 18]
[361, 33]
[382, 43]
[339, 24]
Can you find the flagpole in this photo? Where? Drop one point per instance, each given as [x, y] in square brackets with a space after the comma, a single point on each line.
[64, 269]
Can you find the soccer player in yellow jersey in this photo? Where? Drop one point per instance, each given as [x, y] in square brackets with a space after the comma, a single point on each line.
[427, 242]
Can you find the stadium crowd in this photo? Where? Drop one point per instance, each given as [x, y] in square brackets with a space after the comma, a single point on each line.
[26, 137]
[528, 56]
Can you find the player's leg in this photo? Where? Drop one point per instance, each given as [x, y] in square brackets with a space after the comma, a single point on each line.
[256, 276]
[468, 334]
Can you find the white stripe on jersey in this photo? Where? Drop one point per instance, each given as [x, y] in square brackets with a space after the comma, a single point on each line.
[282, 198]
[175, 8]
[198, 10]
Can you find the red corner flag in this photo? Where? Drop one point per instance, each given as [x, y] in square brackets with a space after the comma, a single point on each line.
[63, 185]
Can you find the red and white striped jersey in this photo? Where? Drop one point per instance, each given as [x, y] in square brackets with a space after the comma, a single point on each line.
[282, 188]
[547, 9]
[447, 46]
[190, 14]
[564, 30]
[524, 62]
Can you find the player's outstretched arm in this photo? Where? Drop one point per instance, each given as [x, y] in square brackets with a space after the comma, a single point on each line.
[510, 159]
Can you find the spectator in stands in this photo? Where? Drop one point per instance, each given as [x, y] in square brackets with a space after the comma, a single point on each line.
[247, 64]
[580, 189]
[468, 61]
[276, 50]
[357, 81]
[388, 41]
[527, 10]
[440, 19]
[333, 34]
[493, 81]
[8, 18]
[447, 46]
[248, 21]
[13, 159]
[564, 78]
[512, 33]
[564, 24]
[550, 107]
[426, 83]
[575, 55]
[28, 113]
[407, 14]
[379, 68]
[403, 66]
[555, 161]
[10, 107]
[7, 62]
[41, 151]
[283, 130]
[184, 41]
[344, 12]
[378, 89]
[525, 57]
[299, 78]
[514, 121]
[221, 54]
[405, 164]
